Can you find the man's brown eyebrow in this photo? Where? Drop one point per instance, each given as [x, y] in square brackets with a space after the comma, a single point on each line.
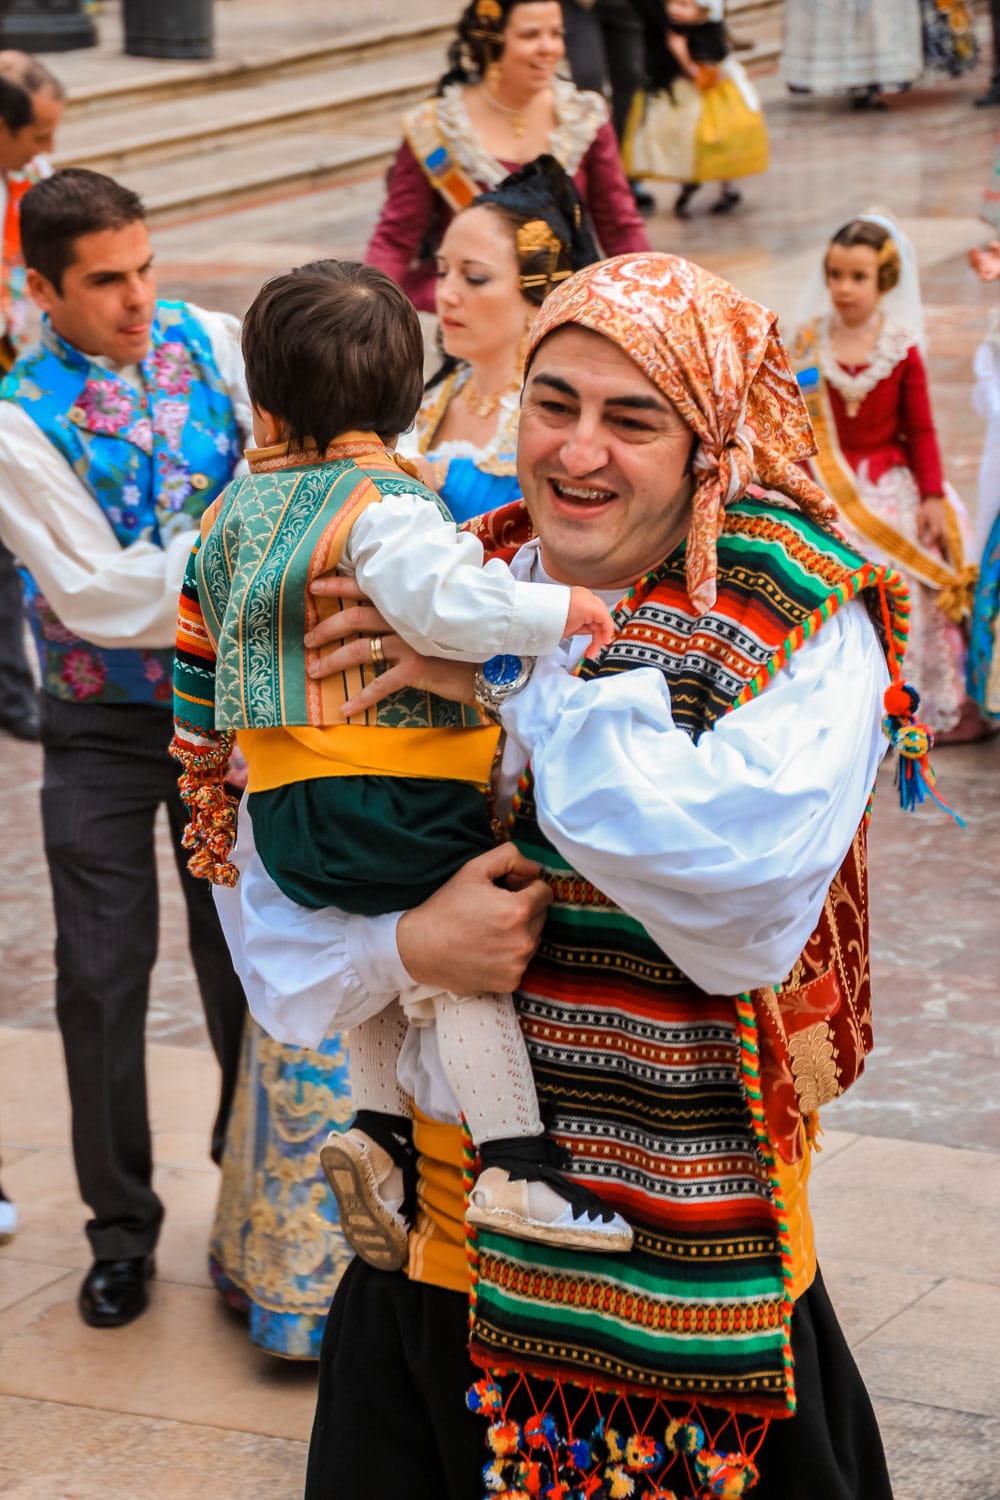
[633, 403]
[100, 274]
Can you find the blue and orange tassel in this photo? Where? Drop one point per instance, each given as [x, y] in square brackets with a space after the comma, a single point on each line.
[912, 742]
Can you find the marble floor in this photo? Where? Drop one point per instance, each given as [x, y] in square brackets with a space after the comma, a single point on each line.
[907, 1189]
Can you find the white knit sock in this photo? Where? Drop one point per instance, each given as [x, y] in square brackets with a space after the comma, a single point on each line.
[486, 1063]
[374, 1047]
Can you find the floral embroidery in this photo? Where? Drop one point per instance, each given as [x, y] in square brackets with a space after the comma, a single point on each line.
[83, 673]
[120, 443]
[140, 435]
[169, 421]
[50, 625]
[105, 406]
[172, 369]
[174, 483]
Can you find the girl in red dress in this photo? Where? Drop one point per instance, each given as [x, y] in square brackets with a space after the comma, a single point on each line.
[858, 347]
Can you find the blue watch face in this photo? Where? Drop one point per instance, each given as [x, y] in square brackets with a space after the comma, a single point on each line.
[501, 671]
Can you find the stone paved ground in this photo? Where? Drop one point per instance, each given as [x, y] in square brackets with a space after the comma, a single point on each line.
[907, 1191]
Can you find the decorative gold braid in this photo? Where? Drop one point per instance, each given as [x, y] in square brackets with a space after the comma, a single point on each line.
[954, 580]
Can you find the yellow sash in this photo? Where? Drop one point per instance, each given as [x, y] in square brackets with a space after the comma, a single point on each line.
[424, 137]
[955, 579]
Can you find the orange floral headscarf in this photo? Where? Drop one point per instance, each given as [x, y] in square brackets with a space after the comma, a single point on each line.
[718, 359]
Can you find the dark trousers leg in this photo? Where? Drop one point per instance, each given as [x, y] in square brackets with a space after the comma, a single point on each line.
[392, 1419]
[17, 685]
[624, 50]
[995, 25]
[222, 995]
[99, 803]
[106, 772]
[588, 65]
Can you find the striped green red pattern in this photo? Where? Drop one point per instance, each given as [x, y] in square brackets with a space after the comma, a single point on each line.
[653, 1085]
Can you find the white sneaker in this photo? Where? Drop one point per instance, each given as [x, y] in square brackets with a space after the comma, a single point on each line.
[368, 1187]
[535, 1211]
[8, 1221]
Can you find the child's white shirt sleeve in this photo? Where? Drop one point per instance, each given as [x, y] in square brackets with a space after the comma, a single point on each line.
[427, 578]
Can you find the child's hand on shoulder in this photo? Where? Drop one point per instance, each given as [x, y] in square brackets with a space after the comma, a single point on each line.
[589, 615]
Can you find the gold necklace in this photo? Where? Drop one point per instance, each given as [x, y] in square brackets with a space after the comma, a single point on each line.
[518, 123]
[485, 406]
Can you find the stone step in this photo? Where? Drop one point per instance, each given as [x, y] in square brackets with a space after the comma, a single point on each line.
[259, 172]
[212, 137]
[195, 124]
[145, 85]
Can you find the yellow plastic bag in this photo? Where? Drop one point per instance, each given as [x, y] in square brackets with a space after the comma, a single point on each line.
[730, 138]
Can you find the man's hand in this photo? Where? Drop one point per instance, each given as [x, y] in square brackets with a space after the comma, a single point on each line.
[404, 667]
[479, 931]
[589, 615]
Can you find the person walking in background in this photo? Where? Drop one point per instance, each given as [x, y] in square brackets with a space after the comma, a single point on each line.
[605, 49]
[499, 105]
[863, 49]
[116, 430]
[702, 119]
[31, 105]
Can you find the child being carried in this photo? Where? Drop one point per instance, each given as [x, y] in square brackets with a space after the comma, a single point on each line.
[349, 814]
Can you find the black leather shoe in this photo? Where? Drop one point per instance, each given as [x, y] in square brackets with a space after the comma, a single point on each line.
[21, 726]
[643, 198]
[992, 96]
[114, 1291]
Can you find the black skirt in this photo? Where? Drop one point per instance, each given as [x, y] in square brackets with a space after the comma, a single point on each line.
[391, 1419]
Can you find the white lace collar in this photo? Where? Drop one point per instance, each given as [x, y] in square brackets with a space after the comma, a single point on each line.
[579, 116]
[892, 346]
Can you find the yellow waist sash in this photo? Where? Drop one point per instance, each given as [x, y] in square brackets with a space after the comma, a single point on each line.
[437, 1242]
[280, 756]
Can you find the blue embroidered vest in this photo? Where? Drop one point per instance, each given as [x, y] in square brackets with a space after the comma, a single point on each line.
[153, 459]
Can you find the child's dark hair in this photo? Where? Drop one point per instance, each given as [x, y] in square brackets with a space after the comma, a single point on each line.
[877, 238]
[332, 347]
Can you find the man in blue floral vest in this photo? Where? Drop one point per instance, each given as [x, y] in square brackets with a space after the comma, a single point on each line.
[116, 430]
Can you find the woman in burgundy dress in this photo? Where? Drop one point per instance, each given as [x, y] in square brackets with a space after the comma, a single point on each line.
[499, 106]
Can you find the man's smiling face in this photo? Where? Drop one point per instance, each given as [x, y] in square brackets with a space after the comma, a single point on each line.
[603, 459]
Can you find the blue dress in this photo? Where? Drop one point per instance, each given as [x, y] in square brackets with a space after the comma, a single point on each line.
[277, 1251]
[983, 660]
[470, 480]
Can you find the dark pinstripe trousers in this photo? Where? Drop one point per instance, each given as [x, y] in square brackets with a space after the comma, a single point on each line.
[17, 685]
[106, 772]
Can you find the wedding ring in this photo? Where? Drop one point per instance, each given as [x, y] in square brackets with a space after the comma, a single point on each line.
[375, 646]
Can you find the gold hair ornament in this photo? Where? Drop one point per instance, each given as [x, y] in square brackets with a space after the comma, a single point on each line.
[534, 236]
[489, 21]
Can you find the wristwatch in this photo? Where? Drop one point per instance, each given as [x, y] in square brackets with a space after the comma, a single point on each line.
[499, 679]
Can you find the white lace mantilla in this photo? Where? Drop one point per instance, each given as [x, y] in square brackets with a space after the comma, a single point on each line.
[891, 348]
[579, 116]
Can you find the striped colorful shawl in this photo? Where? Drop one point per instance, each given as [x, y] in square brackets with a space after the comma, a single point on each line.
[654, 1085]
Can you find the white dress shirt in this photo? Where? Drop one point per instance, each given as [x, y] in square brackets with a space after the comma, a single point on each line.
[105, 593]
[723, 849]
